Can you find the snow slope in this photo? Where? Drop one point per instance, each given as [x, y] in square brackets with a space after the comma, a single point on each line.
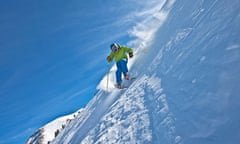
[187, 86]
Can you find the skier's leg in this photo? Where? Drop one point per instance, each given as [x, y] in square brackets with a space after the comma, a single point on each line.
[121, 68]
[124, 66]
[125, 69]
[119, 73]
[118, 77]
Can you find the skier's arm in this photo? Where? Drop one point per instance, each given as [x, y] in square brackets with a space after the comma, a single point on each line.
[110, 57]
[129, 51]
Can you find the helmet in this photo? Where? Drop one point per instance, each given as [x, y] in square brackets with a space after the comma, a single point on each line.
[114, 47]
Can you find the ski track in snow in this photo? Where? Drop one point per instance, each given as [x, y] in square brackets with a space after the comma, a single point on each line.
[162, 119]
[134, 115]
[126, 122]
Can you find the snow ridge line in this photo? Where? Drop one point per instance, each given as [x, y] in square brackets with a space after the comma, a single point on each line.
[162, 120]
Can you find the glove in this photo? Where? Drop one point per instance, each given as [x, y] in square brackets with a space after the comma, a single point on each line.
[131, 54]
[109, 59]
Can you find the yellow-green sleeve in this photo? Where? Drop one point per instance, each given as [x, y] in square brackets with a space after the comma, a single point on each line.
[111, 56]
[128, 50]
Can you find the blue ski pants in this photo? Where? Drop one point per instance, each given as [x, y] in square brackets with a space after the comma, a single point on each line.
[121, 68]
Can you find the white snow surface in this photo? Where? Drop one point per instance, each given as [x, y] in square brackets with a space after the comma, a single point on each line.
[187, 82]
[50, 128]
[122, 116]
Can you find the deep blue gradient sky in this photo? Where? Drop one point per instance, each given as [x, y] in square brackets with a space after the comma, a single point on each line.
[52, 57]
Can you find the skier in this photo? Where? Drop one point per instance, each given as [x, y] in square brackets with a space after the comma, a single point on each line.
[118, 53]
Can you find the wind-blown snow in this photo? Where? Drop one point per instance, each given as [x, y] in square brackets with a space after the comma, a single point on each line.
[186, 88]
[152, 19]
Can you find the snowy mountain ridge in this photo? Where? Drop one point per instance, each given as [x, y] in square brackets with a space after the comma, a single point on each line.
[48, 132]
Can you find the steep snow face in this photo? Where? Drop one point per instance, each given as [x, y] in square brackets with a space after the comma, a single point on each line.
[126, 120]
[198, 61]
[186, 89]
[139, 114]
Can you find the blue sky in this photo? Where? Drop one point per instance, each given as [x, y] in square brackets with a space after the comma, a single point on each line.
[52, 57]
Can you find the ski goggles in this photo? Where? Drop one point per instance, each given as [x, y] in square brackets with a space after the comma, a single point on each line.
[114, 48]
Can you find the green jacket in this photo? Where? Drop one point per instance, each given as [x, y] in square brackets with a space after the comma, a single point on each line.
[120, 54]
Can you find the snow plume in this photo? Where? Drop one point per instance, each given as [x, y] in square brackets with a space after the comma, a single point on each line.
[148, 22]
